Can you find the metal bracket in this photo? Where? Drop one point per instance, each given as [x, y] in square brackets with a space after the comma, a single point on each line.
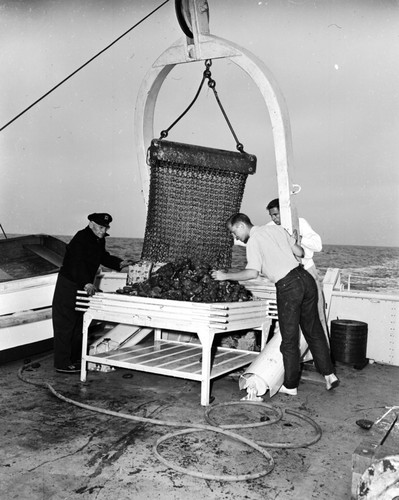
[193, 18]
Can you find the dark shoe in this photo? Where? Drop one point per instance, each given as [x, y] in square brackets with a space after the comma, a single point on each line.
[68, 369]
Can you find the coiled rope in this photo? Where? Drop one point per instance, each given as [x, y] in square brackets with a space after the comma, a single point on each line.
[257, 446]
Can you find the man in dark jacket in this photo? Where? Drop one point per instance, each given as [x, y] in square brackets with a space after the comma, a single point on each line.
[84, 254]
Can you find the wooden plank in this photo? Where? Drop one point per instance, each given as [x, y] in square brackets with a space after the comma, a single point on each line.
[245, 314]
[188, 322]
[187, 315]
[226, 355]
[159, 308]
[233, 364]
[25, 317]
[175, 361]
[158, 357]
[191, 364]
[45, 253]
[31, 294]
[140, 353]
[5, 276]
[133, 351]
[25, 333]
[176, 322]
[149, 318]
[144, 368]
[135, 300]
[155, 310]
[28, 283]
[150, 322]
[162, 304]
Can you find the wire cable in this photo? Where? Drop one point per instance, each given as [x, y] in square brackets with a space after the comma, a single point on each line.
[83, 65]
[212, 85]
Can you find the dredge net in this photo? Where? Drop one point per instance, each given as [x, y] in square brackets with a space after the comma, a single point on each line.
[193, 191]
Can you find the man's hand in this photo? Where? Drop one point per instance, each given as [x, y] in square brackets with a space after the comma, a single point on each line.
[297, 236]
[90, 289]
[219, 275]
[126, 262]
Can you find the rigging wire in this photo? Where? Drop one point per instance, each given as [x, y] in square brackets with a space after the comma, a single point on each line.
[83, 65]
[212, 85]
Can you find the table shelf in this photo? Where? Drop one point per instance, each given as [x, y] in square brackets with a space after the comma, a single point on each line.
[176, 359]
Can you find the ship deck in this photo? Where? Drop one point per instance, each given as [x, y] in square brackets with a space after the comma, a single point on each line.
[52, 449]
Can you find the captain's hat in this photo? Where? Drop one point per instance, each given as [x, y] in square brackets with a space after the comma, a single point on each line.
[101, 219]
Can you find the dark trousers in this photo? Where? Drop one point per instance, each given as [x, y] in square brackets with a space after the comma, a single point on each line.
[297, 298]
[67, 324]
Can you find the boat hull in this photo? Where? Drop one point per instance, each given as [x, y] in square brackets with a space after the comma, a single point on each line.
[28, 273]
[24, 339]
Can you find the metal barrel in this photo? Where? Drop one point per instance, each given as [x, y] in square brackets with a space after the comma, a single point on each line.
[349, 341]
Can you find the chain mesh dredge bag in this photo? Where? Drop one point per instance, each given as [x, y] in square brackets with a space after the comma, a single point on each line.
[193, 191]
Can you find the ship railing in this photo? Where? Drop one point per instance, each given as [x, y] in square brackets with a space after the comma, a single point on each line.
[357, 279]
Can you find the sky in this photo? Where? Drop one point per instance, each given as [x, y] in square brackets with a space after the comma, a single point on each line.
[72, 154]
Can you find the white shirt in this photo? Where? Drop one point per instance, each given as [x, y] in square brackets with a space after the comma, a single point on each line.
[310, 241]
[269, 251]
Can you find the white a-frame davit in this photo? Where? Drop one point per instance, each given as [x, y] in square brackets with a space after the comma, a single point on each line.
[199, 45]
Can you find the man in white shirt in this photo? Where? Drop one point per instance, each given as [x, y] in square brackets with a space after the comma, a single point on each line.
[310, 241]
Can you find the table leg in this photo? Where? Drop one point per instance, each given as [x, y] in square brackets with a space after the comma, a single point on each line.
[157, 339]
[87, 319]
[206, 338]
[157, 334]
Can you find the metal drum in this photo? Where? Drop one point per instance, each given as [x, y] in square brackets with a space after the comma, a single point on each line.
[349, 341]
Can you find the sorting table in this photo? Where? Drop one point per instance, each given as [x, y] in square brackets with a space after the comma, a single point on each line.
[161, 356]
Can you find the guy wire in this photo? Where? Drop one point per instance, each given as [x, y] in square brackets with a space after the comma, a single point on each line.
[83, 65]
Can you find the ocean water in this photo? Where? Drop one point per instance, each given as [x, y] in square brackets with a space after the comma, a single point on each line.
[364, 267]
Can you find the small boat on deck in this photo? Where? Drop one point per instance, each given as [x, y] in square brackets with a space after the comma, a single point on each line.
[29, 267]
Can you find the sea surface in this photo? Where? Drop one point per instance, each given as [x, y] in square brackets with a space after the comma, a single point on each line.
[364, 267]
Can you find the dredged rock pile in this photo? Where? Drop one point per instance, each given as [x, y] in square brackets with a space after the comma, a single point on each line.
[189, 281]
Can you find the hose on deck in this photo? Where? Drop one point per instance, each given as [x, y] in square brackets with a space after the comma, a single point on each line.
[258, 446]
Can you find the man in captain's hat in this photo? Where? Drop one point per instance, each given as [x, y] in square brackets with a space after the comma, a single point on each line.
[84, 254]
